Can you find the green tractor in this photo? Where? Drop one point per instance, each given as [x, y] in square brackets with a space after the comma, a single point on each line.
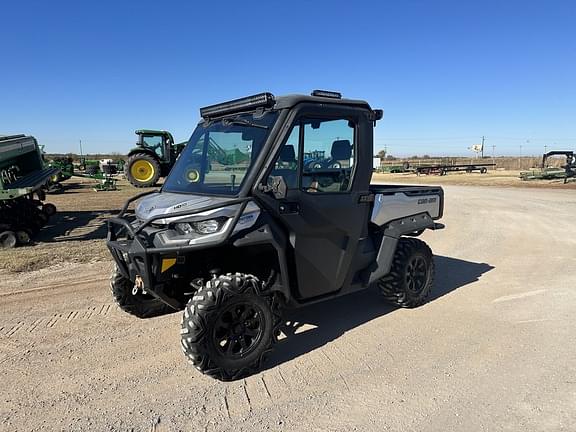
[153, 157]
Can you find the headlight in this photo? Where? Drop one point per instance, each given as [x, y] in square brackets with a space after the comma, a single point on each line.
[209, 226]
[183, 228]
[206, 227]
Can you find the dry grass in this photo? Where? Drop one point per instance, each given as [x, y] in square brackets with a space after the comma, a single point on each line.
[43, 255]
[503, 162]
[500, 178]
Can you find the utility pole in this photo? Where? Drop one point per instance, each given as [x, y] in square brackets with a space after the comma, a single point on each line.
[482, 147]
[545, 148]
[493, 156]
[520, 158]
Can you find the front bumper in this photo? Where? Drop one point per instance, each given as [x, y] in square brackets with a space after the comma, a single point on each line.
[134, 259]
[133, 251]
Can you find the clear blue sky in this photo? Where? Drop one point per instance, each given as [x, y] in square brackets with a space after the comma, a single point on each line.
[445, 72]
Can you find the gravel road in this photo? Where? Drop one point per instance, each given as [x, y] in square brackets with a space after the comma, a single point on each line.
[492, 351]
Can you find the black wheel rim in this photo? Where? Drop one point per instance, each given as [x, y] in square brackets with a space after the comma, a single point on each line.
[239, 329]
[416, 274]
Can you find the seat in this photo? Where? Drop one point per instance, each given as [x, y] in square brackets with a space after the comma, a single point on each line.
[341, 150]
[287, 157]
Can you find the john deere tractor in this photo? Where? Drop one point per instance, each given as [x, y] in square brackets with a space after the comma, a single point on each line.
[152, 158]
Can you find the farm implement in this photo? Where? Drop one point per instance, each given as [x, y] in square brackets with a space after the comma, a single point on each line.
[24, 178]
[545, 172]
[445, 169]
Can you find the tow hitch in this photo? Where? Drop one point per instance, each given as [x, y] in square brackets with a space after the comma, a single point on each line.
[138, 285]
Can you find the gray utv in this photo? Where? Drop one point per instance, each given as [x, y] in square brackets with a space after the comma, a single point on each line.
[246, 225]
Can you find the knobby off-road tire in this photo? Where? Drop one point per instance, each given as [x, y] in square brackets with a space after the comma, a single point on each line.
[229, 326]
[139, 305]
[412, 274]
[142, 170]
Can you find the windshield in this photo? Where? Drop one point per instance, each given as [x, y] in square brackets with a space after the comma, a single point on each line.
[219, 154]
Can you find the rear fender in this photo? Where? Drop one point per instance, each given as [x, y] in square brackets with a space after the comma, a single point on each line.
[391, 232]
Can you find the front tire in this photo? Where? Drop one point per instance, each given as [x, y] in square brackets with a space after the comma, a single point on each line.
[139, 305]
[411, 277]
[229, 326]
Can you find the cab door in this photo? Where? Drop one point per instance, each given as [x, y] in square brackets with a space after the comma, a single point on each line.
[324, 212]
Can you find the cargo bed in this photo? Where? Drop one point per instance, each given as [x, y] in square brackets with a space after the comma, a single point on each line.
[393, 202]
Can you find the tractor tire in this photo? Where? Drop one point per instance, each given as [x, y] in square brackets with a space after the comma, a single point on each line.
[7, 239]
[139, 305]
[229, 326]
[142, 170]
[411, 277]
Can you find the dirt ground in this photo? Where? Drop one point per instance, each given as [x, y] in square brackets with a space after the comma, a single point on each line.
[493, 349]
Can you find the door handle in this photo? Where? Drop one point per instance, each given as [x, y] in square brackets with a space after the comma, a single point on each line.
[288, 208]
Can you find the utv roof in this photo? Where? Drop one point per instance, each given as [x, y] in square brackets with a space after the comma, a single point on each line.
[268, 100]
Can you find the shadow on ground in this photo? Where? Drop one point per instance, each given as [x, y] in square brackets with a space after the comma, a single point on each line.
[333, 318]
[76, 225]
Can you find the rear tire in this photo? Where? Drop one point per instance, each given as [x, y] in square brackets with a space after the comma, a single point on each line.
[229, 326]
[142, 170]
[139, 305]
[411, 277]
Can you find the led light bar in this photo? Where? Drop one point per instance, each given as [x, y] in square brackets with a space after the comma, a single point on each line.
[236, 105]
[328, 94]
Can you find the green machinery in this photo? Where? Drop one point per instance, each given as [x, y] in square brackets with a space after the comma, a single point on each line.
[103, 171]
[24, 178]
[152, 158]
[545, 172]
[66, 167]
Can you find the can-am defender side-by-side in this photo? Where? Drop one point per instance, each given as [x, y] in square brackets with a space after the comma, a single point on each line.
[247, 224]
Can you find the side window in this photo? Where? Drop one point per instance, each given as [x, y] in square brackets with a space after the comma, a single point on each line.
[328, 161]
[286, 164]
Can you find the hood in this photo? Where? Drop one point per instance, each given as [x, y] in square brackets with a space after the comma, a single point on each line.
[166, 203]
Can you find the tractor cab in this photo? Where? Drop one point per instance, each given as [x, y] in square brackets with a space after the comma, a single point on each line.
[158, 141]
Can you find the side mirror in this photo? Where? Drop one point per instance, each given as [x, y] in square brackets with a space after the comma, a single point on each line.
[277, 185]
